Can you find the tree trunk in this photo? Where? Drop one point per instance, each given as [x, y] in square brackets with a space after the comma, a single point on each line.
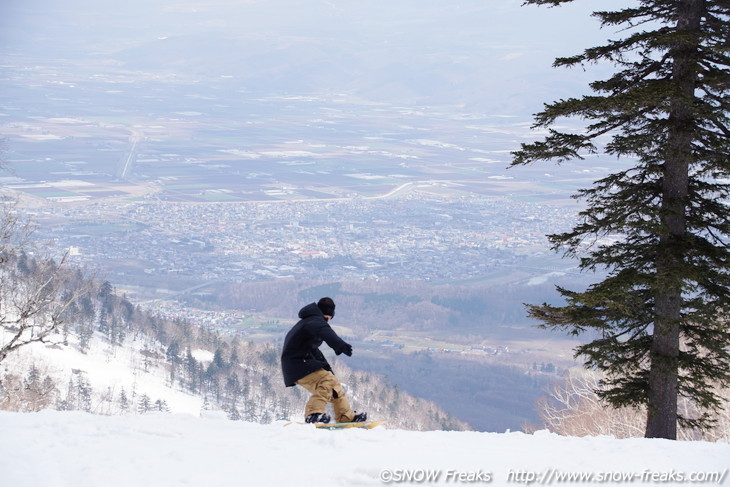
[664, 368]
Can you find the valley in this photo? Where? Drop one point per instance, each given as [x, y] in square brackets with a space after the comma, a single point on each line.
[228, 164]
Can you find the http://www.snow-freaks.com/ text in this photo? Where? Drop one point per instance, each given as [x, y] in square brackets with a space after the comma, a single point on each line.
[549, 476]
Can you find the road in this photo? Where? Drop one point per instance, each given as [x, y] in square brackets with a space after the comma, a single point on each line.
[131, 156]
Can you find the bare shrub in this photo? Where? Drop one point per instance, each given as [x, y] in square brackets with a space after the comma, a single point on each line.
[34, 392]
[573, 408]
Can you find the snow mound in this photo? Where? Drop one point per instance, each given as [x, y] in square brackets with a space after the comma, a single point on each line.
[74, 449]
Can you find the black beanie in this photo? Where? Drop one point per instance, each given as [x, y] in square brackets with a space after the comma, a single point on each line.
[327, 307]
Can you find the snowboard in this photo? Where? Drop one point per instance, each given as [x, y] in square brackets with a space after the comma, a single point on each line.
[368, 425]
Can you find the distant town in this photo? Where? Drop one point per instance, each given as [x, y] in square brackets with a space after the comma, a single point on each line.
[415, 236]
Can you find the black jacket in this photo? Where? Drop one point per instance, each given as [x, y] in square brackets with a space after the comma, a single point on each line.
[301, 355]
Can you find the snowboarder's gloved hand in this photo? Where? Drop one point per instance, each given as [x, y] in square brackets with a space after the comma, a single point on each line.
[345, 348]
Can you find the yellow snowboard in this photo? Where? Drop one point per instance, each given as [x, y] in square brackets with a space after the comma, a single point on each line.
[368, 425]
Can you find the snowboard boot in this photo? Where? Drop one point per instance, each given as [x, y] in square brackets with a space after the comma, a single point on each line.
[360, 417]
[317, 418]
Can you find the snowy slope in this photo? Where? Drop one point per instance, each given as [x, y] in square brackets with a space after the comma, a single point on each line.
[108, 369]
[74, 449]
[111, 379]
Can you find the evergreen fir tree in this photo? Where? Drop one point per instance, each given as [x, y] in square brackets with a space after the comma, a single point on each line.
[659, 311]
[67, 404]
[192, 367]
[234, 414]
[85, 332]
[266, 418]
[146, 360]
[123, 401]
[218, 359]
[83, 393]
[161, 406]
[33, 378]
[104, 322]
[117, 330]
[106, 295]
[145, 404]
[173, 353]
[234, 360]
[232, 387]
[214, 387]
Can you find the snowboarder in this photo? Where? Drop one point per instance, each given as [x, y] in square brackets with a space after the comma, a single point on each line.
[304, 364]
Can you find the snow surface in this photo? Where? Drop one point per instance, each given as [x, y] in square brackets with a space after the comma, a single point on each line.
[75, 449]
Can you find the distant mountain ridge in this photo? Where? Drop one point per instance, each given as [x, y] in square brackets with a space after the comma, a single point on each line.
[476, 54]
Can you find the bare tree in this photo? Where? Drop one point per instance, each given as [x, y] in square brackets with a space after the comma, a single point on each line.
[15, 231]
[573, 408]
[34, 392]
[35, 291]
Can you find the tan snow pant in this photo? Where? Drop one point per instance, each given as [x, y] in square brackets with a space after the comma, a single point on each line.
[325, 388]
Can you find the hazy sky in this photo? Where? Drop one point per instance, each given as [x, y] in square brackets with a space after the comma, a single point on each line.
[462, 51]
